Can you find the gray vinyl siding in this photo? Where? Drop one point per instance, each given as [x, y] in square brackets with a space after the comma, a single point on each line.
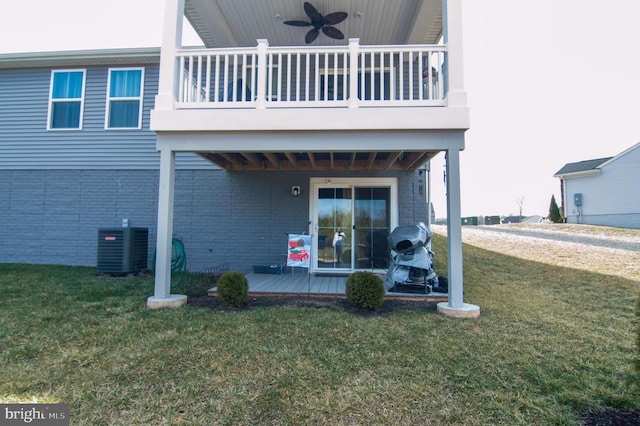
[239, 218]
[58, 187]
[25, 142]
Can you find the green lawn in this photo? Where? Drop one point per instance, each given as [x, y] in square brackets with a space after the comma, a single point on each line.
[551, 344]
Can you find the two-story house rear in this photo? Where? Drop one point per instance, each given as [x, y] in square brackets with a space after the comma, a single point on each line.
[272, 127]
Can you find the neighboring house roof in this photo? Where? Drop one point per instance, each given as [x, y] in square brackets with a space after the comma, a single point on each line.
[143, 55]
[581, 167]
[590, 167]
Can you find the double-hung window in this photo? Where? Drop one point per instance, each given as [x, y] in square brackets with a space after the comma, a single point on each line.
[124, 98]
[66, 99]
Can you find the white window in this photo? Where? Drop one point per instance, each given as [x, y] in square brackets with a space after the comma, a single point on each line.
[124, 98]
[66, 99]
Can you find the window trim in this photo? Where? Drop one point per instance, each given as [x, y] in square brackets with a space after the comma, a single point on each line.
[52, 101]
[140, 98]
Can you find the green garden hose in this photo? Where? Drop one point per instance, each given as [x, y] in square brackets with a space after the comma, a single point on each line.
[178, 262]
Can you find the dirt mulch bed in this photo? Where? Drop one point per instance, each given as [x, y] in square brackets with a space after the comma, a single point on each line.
[612, 417]
[389, 306]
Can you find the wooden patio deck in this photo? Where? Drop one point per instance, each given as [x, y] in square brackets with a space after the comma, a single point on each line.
[303, 283]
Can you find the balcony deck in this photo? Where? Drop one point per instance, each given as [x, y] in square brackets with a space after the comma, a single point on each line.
[345, 108]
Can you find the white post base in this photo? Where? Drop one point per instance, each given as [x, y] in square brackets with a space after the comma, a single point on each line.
[173, 301]
[466, 311]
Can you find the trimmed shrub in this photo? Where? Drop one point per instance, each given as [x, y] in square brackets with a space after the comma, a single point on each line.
[233, 289]
[365, 289]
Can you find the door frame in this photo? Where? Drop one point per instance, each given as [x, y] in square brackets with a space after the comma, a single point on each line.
[337, 182]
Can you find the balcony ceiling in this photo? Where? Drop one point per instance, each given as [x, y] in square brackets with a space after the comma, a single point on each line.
[235, 23]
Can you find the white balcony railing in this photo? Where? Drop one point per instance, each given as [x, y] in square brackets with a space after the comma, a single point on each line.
[301, 77]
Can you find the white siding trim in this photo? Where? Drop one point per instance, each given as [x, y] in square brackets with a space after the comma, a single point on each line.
[585, 173]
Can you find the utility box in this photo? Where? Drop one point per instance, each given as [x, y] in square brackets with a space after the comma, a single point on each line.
[492, 220]
[122, 250]
[470, 221]
[577, 199]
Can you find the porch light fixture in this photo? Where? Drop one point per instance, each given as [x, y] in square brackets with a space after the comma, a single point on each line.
[295, 191]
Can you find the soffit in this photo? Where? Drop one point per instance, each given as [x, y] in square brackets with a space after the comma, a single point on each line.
[112, 57]
[233, 23]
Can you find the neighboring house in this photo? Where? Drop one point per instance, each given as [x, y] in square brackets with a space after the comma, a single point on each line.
[250, 138]
[533, 219]
[603, 191]
[512, 219]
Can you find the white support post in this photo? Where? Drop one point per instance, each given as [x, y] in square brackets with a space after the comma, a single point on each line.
[354, 51]
[455, 307]
[427, 170]
[162, 291]
[263, 73]
[171, 42]
[454, 229]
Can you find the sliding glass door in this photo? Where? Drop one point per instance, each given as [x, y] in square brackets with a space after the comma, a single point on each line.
[372, 227]
[353, 222]
[335, 228]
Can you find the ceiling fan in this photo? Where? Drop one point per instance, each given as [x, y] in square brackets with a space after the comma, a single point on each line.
[319, 22]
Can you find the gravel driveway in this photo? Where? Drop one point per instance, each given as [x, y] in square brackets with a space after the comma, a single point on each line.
[609, 251]
[609, 242]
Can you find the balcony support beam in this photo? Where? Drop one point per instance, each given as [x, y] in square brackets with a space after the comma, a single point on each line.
[273, 159]
[292, 159]
[372, 159]
[312, 160]
[392, 159]
[253, 159]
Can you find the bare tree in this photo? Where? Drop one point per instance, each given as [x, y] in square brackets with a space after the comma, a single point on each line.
[520, 202]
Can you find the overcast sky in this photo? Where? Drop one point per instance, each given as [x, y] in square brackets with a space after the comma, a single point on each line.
[548, 82]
